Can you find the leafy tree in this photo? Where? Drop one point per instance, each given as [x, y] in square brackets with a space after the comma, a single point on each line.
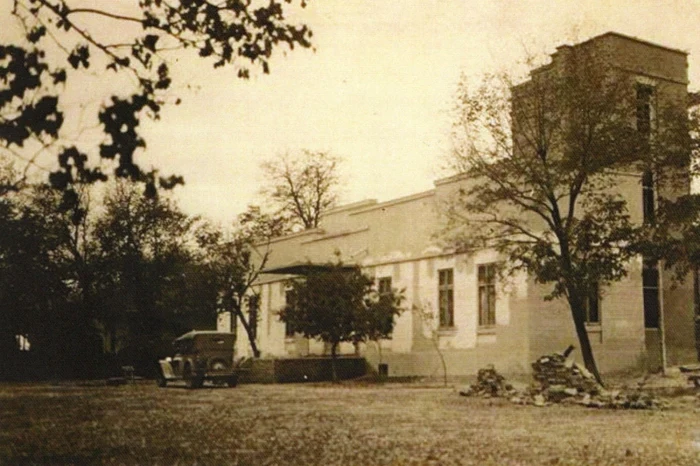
[233, 261]
[338, 305]
[73, 229]
[674, 235]
[28, 107]
[142, 275]
[541, 163]
[302, 187]
[134, 44]
[39, 297]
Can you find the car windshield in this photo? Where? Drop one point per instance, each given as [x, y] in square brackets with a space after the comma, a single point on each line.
[183, 346]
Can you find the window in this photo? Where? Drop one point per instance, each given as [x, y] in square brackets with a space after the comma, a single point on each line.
[487, 295]
[592, 306]
[446, 297]
[288, 301]
[650, 285]
[650, 268]
[648, 196]
[253, 307]
[384, 286]
[385, 294]
[644, 108]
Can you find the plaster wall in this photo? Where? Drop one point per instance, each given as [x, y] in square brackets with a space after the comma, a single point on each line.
[399, 239]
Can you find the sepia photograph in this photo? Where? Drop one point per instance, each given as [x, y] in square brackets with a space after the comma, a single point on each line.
[324, 232]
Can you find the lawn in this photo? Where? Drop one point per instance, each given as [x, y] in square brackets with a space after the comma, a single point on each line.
[325, 425]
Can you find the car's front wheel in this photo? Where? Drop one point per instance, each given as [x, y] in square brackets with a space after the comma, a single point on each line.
[195, 382]
[191, 378]
[160, 381]
[232, 381]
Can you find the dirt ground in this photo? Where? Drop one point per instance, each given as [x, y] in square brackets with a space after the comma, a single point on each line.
[325, 424]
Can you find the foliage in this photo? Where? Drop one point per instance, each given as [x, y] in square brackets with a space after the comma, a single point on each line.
[302, 187]
[233, 261]
[28, 104]
[542, 161]
[258, 226]
[39, 297]
[674, 236]
[134, 44]
[91, 288]
[340, 304]
[144, 268]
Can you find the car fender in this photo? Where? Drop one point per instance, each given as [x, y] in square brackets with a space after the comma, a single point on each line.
[166, 369]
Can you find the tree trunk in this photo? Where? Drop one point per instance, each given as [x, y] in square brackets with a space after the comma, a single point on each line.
[249, 333]
[576, 297]
[584, 341]
[334, 357]
[436, 343]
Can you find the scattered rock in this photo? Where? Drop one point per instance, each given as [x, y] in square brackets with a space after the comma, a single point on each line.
[489, 383]
[558, 370]
[558, 379]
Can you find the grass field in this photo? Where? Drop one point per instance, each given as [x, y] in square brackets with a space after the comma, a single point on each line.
[328, 425]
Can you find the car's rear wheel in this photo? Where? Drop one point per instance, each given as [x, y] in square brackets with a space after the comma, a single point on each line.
[160, 380]
[218, 365]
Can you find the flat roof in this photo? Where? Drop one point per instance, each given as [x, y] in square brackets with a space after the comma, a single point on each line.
[193, 333]
[630, 38]
[305, 268]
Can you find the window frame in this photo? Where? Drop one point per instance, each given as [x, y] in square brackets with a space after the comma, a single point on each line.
[648, 198]
[446, 301]
[651, 293]
[644, 108]
[486, 287]
[288, 296]
[592, 301]
[381, 290]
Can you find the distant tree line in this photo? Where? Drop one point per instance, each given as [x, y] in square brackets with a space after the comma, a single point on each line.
[83, 294]
[113, 276]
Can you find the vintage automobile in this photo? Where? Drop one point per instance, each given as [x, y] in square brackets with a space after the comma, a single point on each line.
[201, 355]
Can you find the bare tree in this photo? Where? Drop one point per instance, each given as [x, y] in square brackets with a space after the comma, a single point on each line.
[431, 323]
[302, 187]
[234, 260]
[542, 162]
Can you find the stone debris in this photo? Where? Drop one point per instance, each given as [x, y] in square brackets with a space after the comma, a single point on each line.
[559, 375]
[489, 383]
[557, 379]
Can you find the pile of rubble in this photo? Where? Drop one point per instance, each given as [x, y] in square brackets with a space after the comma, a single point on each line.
[559, 371]
[558, 379]
[489, 383]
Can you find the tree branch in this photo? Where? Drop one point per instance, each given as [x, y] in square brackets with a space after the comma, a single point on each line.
[104, 13]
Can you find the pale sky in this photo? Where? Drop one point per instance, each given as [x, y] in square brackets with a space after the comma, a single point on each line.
[376, 92]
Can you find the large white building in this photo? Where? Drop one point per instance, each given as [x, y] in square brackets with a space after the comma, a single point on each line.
[479, 319]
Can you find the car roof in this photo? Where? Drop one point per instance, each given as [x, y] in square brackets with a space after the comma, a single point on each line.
[193, 333]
